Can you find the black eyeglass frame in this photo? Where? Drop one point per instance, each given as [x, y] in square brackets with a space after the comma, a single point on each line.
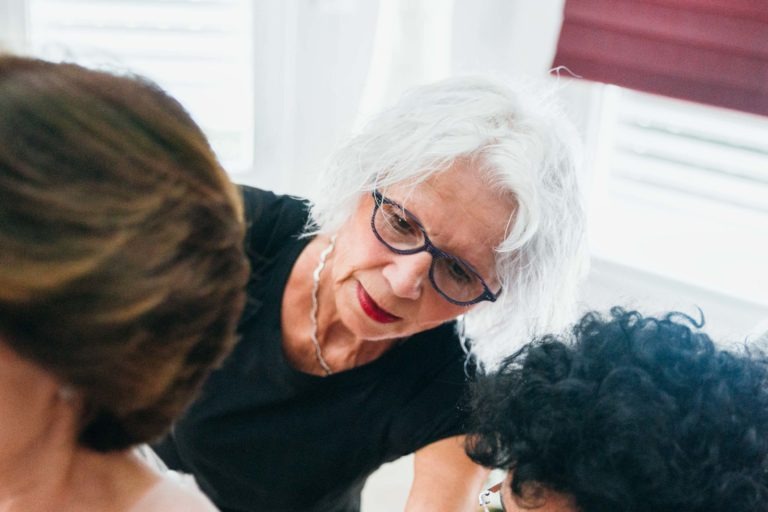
[428, 246]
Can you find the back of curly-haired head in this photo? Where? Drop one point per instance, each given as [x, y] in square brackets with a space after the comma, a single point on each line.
[631, 414]
[121, 265]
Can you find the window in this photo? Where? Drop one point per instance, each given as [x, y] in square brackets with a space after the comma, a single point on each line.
[681, 190]
[198, 50]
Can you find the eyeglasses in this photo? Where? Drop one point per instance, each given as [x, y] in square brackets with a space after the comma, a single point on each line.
[484, 498]
[453, 278]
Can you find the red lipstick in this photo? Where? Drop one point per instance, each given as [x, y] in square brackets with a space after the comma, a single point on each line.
[373, 310]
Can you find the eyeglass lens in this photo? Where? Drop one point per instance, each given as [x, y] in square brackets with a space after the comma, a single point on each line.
[451, 276]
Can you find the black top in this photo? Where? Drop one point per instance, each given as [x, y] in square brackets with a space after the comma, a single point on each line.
[266, 437]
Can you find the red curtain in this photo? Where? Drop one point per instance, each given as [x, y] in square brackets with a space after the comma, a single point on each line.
[710, 51]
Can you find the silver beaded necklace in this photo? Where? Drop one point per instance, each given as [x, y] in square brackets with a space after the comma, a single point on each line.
[313, 311]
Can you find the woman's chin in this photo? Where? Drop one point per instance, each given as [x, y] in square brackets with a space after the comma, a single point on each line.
[356, 316]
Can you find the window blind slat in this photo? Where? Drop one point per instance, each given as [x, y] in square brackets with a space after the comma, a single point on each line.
[690, 150]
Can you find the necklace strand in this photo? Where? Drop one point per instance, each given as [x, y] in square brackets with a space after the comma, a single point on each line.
[313, 311]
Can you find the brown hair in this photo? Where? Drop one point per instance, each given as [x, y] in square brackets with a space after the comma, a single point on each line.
[122, 270]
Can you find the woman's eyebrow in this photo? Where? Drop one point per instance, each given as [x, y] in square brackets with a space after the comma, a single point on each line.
[480, 271]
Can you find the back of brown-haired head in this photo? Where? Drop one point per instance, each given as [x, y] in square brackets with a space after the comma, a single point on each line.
[121, 262]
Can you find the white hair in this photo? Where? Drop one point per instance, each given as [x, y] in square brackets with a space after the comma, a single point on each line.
[523, 142]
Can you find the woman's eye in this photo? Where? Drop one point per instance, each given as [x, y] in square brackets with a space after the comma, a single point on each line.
[459, 273]
[400, 224]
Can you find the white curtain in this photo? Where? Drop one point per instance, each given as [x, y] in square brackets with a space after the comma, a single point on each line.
[323, 67]
[12, 24]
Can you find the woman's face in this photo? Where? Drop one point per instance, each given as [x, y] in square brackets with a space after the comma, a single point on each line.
[382, 295]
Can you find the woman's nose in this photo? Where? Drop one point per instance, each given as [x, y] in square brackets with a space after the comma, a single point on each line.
[408, 273]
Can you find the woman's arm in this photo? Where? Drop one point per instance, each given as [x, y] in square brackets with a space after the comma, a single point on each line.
[445, 479]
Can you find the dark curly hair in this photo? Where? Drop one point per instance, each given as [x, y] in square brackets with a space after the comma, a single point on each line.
[632, 414]
[122, 269]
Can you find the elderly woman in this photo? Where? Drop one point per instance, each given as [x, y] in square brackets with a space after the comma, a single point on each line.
[451, 222]
[629, 413]
[121, 282]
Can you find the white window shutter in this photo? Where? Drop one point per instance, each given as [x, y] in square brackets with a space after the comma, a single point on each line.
[681, 191]
[710, 153]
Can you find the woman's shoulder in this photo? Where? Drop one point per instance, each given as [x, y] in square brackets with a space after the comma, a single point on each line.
[262, 207]
[174, 493]
[271, 219]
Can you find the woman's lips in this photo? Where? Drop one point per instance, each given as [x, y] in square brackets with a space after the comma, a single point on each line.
[372, 309]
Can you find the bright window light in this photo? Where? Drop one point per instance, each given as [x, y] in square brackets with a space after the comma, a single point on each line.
[200, 51]
[681, 190]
